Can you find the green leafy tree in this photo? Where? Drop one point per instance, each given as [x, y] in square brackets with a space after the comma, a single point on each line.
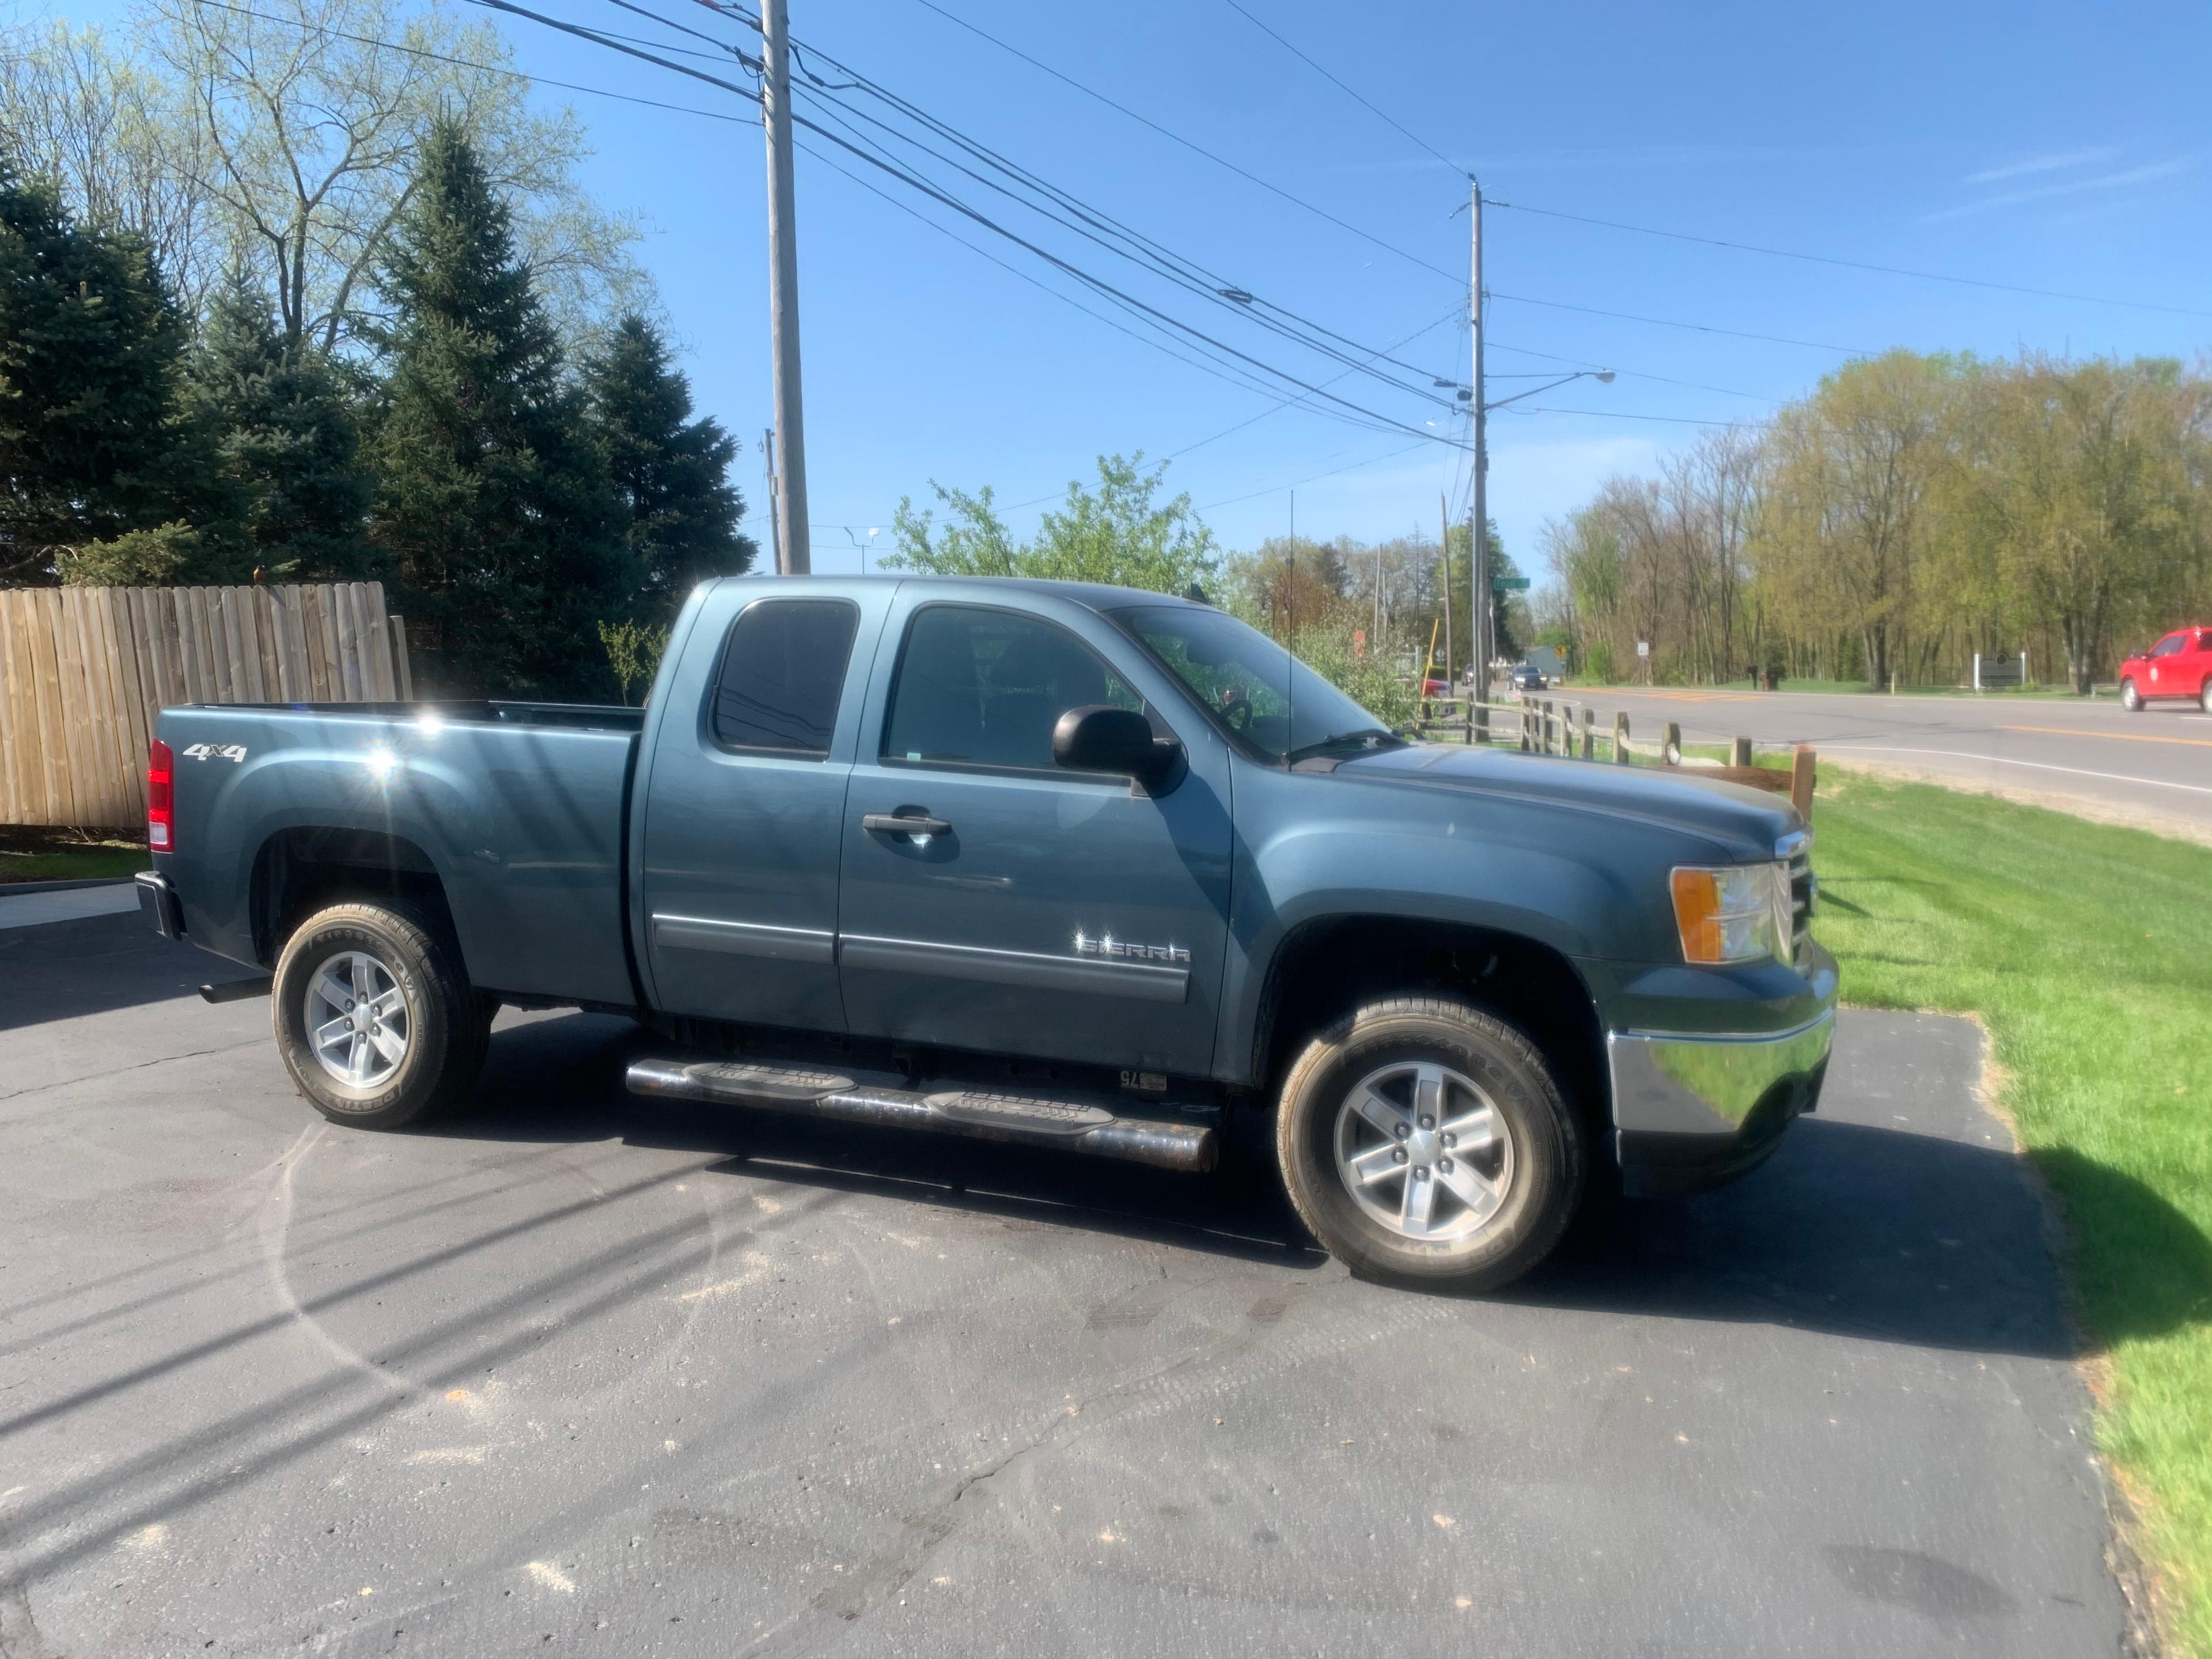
[633, 652]
[89, 349]
[166, 555]
[277, 422]
[1120, 534]
[492, 501]
[671, 471]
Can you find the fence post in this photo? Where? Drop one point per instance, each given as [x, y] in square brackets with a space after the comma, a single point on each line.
[1670, 751]
[1478, 731]
[1619, 738]
[403, 672]
[1802, 777]
[1740, 754]
[1590, 732]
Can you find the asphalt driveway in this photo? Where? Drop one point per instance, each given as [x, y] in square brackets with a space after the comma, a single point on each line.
[576, 1370]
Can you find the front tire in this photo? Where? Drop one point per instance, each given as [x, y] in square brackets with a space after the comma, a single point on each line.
[2204, 697]
[1427, 1144]
[2131, 699]
[375, 1017]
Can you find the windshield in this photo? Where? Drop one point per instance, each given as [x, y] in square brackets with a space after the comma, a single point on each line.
[1269, 701]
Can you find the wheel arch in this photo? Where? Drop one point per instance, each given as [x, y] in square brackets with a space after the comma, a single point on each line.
[300, 870]
[1329, 966]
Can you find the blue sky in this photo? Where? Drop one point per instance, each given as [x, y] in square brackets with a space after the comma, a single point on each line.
[2060, 147]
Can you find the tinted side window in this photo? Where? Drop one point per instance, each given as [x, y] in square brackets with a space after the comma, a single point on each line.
[2170, 644]
[986, 688]
[782, 671]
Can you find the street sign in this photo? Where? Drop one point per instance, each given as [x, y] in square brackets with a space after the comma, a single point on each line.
[1643, 648]
[1509, 583]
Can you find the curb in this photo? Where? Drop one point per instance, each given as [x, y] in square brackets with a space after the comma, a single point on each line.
[10, 889]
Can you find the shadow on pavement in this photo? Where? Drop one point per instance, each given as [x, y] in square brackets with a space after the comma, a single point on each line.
[561, 1079]
[1850, 1228]
[63, 969]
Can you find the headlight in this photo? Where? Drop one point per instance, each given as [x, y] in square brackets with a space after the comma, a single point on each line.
[1739, 913]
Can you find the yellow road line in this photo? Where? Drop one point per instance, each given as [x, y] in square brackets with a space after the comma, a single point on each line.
[2121, 736]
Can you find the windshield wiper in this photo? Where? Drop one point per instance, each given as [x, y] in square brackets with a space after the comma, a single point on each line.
[1364, 737]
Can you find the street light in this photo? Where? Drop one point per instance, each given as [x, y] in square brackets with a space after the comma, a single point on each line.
[1602, 376]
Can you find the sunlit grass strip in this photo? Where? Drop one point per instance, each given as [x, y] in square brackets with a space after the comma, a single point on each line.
[2088, 951]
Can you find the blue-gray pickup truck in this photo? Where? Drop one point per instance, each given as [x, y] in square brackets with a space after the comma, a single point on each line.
[1066, 866]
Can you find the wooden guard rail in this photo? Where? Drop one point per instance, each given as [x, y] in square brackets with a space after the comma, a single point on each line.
[1545, 725]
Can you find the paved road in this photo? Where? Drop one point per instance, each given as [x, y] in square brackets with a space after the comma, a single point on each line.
[2091, 758]
[578, 1372]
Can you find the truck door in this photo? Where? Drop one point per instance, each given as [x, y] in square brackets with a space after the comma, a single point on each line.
[744, 800]
[1029, 909]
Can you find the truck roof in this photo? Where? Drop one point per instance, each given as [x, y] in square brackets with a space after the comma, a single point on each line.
[1097, 596]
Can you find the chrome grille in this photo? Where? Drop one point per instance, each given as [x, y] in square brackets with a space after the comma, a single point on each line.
[1797, 850]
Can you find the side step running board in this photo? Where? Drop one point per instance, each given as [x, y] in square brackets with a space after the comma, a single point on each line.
[1070, 1123]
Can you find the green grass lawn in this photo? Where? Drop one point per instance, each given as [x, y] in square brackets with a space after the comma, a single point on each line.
[2084, 948]
[67, 855]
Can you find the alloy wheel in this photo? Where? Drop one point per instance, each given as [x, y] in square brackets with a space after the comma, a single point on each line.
[357, 1019]
[1422, 1150]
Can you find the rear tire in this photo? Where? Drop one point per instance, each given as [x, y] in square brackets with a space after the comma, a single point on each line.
[1427, 1144]
[375, 1017]
[2204, 696]
[2131, 699]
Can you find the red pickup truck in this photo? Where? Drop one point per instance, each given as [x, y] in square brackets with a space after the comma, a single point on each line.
[2179, 665]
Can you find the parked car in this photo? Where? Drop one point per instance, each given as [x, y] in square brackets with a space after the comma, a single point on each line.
[2179, 665]
[1071, 867]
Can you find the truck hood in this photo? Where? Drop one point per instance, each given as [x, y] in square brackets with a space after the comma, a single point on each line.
[1749, 821]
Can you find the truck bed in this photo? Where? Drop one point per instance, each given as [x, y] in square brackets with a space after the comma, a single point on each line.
[519, 809]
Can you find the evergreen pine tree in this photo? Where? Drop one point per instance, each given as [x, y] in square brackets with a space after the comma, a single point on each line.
[284, 487]
[491, 499]
[671, 471]
[89, 349]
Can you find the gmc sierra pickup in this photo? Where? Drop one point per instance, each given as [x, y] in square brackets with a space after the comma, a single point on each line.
[1068, 866]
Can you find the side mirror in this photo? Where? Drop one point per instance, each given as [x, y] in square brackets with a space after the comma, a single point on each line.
[1100, 737]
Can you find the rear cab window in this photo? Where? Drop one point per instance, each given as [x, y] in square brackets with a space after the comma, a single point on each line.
[782, 675]
[981, 687]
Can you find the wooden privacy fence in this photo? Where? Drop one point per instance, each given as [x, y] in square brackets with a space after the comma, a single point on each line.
[83, 672]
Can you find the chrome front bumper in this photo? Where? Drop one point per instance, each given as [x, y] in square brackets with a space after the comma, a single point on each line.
[1690, 1111]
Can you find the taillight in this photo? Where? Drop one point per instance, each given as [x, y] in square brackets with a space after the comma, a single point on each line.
[160, 798]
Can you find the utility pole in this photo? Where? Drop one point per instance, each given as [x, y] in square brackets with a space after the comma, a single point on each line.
[793, 556]
[1443, 549]
[775, 530]
[1478, 560]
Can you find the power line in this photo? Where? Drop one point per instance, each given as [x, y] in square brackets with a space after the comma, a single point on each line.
[1631, 374]
[467, 62]
[1205, 365]
[1195, 149]
[1616, 415]
[1150, 257]
[1848, 265]
[1212, 286]
[1287, 401]
[1097, 226]
[1089, 280]
[1661, 322]
[1375, 109]
[1373, 460]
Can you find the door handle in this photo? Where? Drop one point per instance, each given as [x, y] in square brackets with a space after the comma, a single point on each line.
[905, 823]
